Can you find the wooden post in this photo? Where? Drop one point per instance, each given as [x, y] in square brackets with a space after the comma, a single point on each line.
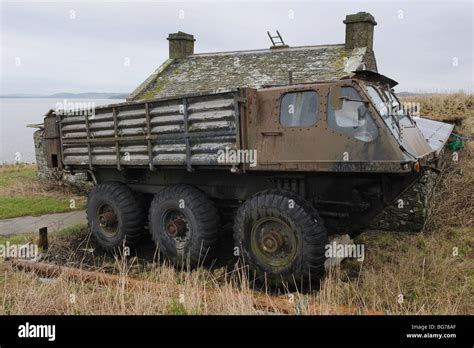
[43, 238]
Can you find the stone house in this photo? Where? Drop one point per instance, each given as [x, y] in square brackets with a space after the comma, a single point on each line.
[188, 72]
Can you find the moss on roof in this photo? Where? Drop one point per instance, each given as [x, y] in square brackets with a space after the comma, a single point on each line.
[213, 71]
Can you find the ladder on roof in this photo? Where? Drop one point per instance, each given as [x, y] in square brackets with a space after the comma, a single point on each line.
[277, 41]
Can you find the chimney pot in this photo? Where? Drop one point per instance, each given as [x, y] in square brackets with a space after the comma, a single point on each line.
[181, 45]
[360, 30]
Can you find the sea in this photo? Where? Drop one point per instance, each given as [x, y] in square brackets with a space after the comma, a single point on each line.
[16, 139]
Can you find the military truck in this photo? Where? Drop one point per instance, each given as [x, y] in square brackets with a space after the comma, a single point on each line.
[288, 164]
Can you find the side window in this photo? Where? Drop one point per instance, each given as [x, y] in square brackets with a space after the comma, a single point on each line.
[299, 109]
[353, 117]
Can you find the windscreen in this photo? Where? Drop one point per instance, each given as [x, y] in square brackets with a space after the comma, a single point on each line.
[399, 122]
[390, 108]
[384, 109]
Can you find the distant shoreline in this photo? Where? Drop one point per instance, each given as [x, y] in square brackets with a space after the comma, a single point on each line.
[13, 163]
[90, 95]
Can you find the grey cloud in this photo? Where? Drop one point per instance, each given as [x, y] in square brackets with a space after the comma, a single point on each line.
[88, 53]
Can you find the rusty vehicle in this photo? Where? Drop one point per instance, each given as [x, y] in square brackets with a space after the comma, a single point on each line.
[288, 164]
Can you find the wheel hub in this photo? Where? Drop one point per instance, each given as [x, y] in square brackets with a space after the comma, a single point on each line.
[272, 241]
[176, 228]
[107, 219]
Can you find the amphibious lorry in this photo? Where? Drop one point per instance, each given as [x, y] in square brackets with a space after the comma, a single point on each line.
[288, 165]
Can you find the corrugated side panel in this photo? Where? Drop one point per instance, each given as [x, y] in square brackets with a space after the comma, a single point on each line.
[212, 125]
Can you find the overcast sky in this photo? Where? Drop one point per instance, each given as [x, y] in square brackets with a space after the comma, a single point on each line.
[112, 46]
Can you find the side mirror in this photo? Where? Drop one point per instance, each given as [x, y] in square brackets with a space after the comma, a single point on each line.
[336, 98]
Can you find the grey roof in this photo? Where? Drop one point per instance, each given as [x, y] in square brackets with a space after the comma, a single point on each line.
[213, 71]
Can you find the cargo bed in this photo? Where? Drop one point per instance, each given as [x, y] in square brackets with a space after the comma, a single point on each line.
[185, 130]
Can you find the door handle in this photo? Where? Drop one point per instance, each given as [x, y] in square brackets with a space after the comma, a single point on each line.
[272, 134]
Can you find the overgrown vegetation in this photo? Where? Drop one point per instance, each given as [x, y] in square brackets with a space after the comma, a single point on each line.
[21, 194]
[424, 273]
[457, 106]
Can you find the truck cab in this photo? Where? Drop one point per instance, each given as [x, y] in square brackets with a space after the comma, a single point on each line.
[350, 125]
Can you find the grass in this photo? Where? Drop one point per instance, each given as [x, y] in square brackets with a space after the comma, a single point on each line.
[17, 239]
[423, 268]
[432, 272]
[15, 174]
[431, 280]
[32, 238]
[22, 206]
[22, 194]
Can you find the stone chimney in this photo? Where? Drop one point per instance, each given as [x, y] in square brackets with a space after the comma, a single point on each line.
[181, 45]
[360, 30]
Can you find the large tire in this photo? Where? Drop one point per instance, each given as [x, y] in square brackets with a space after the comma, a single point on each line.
[282, 239]
[115, 216]
[184, 225]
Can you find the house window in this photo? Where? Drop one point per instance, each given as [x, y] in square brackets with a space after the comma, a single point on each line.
[299, 109]
[353, 117]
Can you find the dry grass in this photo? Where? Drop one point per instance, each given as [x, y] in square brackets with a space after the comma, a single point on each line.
[446, 107]
[8, 168]
[180, 293]
[420, 267]
[408, 274]
[433, 270]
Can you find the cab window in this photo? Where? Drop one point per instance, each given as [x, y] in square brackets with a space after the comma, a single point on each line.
[384, 109]
[299, 109]
[353, 117]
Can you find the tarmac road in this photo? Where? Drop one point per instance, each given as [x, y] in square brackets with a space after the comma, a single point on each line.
[31, 224]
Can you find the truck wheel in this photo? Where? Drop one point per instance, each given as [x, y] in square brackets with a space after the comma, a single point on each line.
[184, 225]
[115, 216]
[282, 239]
